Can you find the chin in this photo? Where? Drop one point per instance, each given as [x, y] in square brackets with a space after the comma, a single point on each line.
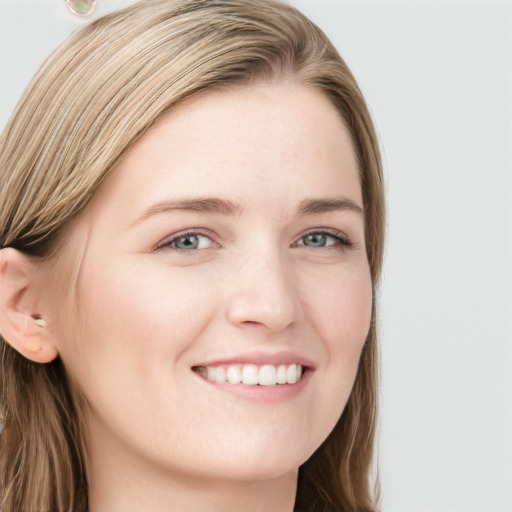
[266, 463]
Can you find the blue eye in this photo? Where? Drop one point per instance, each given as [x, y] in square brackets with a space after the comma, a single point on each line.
[316, 240]
[322, 240]
[188, 242]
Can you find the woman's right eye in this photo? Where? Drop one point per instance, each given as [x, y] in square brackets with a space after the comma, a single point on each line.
[188, 242]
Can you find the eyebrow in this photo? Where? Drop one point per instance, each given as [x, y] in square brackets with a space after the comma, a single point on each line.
[226, 207]
[312, 206]
[200, 205]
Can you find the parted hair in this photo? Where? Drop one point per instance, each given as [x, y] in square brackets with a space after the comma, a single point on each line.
[94, 97]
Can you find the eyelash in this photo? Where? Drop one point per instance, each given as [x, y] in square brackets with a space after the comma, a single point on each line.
[167, 242]
[341, 240]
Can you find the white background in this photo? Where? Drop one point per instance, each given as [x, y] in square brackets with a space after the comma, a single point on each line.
[438, 79]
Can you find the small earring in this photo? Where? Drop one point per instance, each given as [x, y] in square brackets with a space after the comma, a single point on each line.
[40, 322]
[81, 7]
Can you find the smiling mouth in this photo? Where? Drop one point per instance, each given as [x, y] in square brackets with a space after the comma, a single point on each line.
[253, 375]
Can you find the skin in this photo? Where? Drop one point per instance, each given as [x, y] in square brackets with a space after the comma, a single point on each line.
[142, 313]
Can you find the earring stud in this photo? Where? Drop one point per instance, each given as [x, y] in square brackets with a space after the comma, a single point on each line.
[81, 7]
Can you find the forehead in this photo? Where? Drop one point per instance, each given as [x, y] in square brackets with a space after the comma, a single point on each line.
[253, 143]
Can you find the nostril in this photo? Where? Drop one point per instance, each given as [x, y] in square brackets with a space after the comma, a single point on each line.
[250, 322]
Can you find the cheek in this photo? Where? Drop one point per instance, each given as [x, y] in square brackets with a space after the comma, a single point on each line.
[131, 319]
[342, 312]
[154, 310]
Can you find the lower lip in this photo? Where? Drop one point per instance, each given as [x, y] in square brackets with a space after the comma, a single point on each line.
[265, 394]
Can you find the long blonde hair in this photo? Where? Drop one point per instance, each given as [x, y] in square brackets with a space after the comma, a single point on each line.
[90, 102]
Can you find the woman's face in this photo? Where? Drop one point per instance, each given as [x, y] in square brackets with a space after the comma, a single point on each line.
[227, 244]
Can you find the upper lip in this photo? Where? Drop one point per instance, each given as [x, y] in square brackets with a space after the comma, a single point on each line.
[260, 358]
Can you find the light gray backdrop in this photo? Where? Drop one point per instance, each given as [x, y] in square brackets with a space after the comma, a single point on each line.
[438, 79]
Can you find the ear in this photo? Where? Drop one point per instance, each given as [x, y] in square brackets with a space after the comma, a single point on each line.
[22, 319]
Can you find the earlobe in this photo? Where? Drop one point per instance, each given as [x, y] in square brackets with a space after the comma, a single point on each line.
[22, 322]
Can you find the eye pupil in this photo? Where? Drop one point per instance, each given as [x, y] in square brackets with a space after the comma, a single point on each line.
[187, 242]
[315, 240]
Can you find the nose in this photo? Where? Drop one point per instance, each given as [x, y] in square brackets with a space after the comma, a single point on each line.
[264, 293]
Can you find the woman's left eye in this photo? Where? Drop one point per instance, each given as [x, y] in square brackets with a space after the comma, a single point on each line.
[321, 240]
[188, 242]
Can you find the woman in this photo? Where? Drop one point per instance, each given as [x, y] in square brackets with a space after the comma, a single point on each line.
[192, 234]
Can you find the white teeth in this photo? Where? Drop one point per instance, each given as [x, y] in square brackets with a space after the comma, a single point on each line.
[291, 374]
[252, 375]
[211, 372]
[234, 375]
[220, 374]
[267, 375]
[281, 374]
